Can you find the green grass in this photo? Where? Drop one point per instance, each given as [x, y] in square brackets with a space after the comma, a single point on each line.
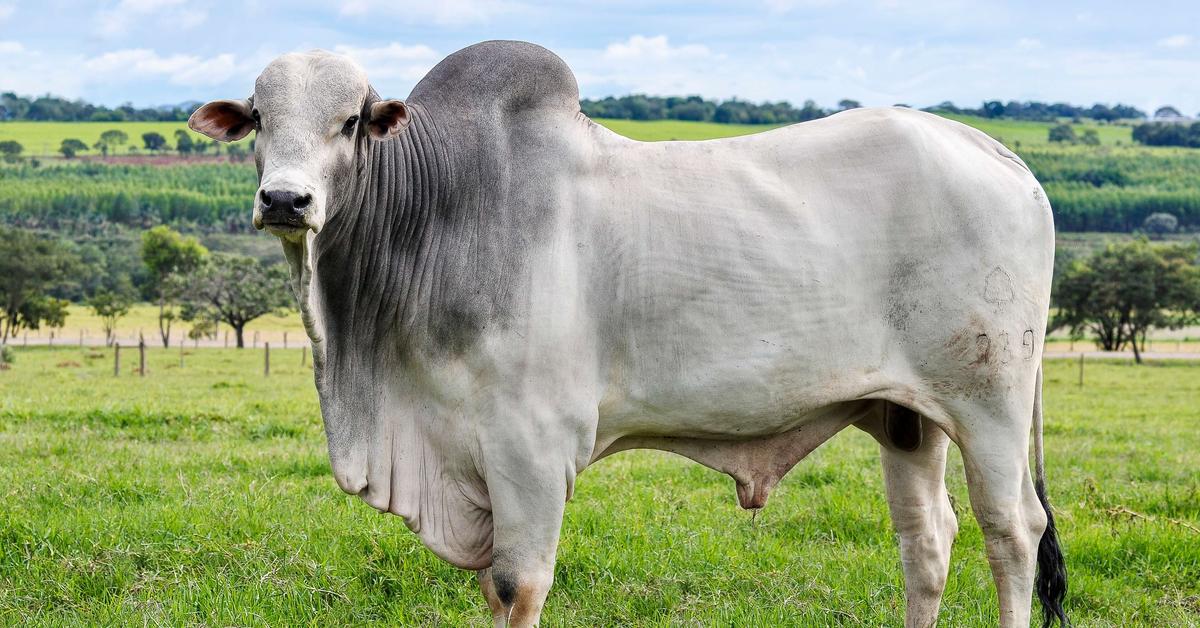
[1018, 133]
[44, 138]
[202, 496]
[658, 130]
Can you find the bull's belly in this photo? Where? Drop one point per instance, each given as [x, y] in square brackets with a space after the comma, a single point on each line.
[725, 391]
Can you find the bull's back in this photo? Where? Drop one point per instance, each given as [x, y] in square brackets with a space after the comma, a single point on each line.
[773, 274]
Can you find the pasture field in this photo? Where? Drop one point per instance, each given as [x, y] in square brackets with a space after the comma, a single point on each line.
[42, 139]
[1018, 133]
[202, 495]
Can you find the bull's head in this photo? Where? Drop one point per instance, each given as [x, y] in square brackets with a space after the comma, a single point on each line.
[312, 113]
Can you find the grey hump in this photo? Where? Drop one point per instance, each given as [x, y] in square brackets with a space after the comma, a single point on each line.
[509, 75]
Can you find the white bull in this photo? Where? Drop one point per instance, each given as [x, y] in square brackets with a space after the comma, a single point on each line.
[499, 292]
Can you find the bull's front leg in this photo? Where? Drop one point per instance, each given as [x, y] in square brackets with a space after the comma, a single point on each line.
[528, 495]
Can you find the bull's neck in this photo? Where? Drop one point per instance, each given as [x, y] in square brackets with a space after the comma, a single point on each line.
[369, 259]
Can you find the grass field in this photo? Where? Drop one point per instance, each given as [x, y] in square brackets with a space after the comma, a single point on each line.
[1018, 133]
[44, 138]
[202, 496]
[143, 319]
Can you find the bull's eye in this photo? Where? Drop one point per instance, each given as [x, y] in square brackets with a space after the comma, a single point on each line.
[257, 120]
[349, 126]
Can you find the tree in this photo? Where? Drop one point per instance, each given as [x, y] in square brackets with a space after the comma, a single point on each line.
[235, 290]
[166, 253]
[183, 142]
[30, 266]
[110, 140]
[1159, 224]
[153, 141]
[847, 103]
[1063, 133]
[236, 153]
[71, 146]
[110, 307]
[1090, 137]
[11, 150]
[1122, 292]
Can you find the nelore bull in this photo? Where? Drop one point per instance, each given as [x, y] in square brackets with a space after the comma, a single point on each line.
[500, 292]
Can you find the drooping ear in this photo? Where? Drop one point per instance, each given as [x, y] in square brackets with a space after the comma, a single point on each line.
[388, 118]
[223, 120]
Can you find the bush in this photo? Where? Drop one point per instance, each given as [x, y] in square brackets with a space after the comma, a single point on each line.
[1159, 224]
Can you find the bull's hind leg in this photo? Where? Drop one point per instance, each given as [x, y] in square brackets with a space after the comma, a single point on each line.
[994, 438]
[914, 471]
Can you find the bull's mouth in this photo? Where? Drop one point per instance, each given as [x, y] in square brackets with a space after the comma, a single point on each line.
[283, 227]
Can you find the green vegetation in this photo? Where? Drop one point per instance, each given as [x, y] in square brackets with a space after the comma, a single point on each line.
[1122, 292]
[43, 139]
[202, 495]
[234, 290]
[659, 130]
[1168, 134]
[79, 197]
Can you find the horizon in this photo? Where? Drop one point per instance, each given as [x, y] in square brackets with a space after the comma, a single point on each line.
[154, 53]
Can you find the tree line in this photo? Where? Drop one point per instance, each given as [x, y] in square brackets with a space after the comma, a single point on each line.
[1043, 112]
[631, 107]
[1168, 134]
[696, 108]
[189, 283]
[50, 108]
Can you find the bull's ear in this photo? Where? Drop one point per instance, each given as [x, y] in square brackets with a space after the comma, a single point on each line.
[223, 120]
[388, 119]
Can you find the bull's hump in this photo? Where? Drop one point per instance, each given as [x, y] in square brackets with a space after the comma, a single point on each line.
[515, 75]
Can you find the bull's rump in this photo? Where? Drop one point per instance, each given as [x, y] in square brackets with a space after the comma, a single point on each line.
[772, 275]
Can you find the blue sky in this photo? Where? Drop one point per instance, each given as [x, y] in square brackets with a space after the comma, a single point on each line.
[880, 52]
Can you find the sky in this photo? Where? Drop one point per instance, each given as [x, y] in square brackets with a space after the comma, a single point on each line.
[879, 52]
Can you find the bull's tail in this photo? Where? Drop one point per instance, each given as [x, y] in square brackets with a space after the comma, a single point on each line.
[1051, 582]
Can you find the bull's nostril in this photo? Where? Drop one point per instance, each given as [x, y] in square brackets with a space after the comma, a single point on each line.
[265, 198]
[302, 202]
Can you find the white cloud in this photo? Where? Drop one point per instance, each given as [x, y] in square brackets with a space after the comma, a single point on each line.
[647, 64]
[1029, 43]
[393, 61]
[11, 47]
[657, 48]
[178, 69]
[440, 12]
[1176, 41]
[6, 11]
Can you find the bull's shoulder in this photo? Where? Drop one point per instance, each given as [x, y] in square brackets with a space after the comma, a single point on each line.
[508, 75]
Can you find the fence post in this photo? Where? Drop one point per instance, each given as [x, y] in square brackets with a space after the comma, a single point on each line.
[81, 337]
[117, 359]
[142, 358]
[303, 355]
[226, 338]
[51, 337]
[285, 340]
[255, 340]
[266, 359]
[1081, 370]
[180, 353]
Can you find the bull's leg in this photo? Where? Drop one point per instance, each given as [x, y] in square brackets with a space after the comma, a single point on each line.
[994, 439]
[527, 510]
[921, 514]
[499, 611]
